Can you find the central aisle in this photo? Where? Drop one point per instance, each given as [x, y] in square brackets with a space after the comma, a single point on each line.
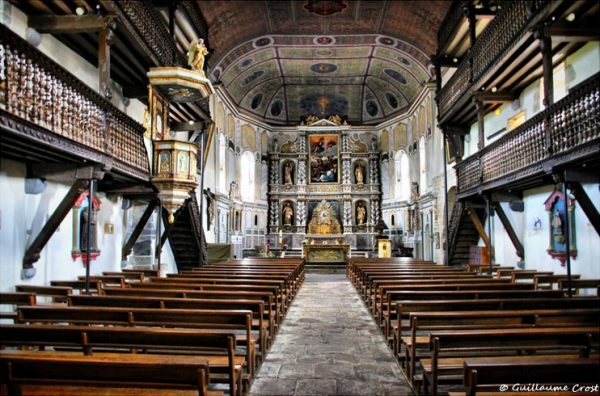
[329, 345]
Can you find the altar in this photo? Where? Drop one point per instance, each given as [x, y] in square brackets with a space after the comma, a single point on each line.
[314, 254]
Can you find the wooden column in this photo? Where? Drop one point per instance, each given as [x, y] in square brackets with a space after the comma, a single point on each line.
[480, 120]
[104, 43]
[545, 45]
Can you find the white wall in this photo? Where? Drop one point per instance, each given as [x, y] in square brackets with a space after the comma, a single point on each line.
[24, 215]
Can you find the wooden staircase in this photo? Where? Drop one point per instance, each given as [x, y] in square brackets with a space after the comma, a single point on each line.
[186, 236]
[463, 233]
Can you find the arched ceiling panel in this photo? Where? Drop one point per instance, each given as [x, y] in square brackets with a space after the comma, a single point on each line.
[280, 60]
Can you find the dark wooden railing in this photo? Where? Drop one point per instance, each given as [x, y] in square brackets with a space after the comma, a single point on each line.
[451, 22]
[141, 17]
[43, 93]
[508, 28]
[565, 131]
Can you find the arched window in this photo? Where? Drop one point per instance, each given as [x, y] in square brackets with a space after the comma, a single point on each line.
[247, 172]
[402, 185]
[222, 164]
[422, 166]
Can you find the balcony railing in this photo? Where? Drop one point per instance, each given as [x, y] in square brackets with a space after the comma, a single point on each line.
[142, 18]
[563, 132]
[451, 22]
[43, 93]
[508, 28]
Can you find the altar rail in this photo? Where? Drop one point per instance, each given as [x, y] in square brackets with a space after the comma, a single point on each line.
[38, 90]
[566, 131]
[509, 27]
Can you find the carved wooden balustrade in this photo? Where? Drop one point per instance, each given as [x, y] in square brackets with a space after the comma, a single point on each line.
[567, 131]
[142, 18]
[508, 28]
[42, 93]
[451, 22]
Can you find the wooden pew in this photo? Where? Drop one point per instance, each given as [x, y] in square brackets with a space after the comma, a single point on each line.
[139, 317]
[286, 298]
[278, 305]
[395, 297]
[578, 284]
[169, 341]
[257, 308]
[120, 374]
[425, 322]
[14, 300]
[219, 278]
[575, 375]
[541, 282]
[405, 308]
[95, 287]
[147, 272]
[130, 276]
[58, 294]
[528, 276]
[383, 312]
[470, 344]
[265, 297]
[107, 280]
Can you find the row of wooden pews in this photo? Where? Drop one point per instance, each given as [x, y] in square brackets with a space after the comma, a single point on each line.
[218, 322]
[450, 326]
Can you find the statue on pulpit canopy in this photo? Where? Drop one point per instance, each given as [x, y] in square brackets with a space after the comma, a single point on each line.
[196, 55]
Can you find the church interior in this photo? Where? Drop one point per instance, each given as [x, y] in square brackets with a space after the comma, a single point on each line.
[298, 139]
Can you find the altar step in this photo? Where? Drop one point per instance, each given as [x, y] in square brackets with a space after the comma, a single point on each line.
[325, 269]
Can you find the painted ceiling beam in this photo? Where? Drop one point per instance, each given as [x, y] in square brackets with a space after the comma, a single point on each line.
[69, 23]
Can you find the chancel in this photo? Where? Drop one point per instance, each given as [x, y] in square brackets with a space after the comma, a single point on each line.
[307, 197]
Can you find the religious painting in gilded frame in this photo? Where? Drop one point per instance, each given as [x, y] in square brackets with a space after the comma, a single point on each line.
[557, 218]
[324, 158]
[159, 114]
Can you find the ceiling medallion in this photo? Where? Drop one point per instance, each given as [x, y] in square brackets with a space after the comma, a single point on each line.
[386, 41]
[262, 42]
[396, 76]
[323, 68]
[324, 40]
[324, 7]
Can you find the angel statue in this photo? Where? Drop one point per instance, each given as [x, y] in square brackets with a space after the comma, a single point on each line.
[196, 55]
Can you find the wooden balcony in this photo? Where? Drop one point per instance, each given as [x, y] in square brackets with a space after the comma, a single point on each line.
[565, 134]
[507, 55]
[49, 116]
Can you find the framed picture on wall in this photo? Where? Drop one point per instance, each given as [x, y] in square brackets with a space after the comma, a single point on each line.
[159, 114]
[323, 151]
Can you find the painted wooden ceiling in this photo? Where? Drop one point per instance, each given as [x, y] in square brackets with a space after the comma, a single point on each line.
[282, 61]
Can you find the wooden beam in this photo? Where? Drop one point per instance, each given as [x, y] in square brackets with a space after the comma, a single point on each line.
[138, 229]
[480, 229]
[496, 97]
[509, 229]
[545, 46]
[104, 43]
[136, 91]
[480, 123]
[456, 130]
[582, 30]
[69, 23]
[65, 172]
[586, 204]
[505, 196]
[186, 126]
[32, 254]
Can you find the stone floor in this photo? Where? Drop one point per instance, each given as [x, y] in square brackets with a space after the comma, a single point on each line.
[329, 345]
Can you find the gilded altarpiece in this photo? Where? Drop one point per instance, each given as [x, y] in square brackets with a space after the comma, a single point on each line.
[324, 185]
